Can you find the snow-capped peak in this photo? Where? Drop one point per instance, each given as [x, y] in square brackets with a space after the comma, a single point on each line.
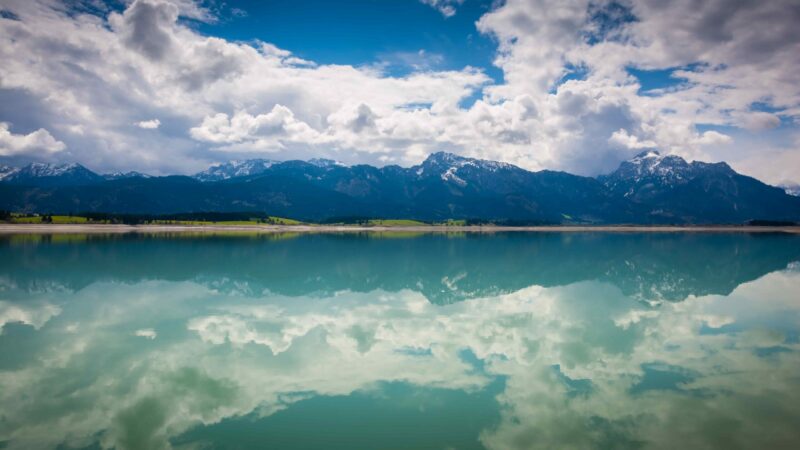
[650, 172]
[647, 154]
[447, 166]
[444, 158]
[652, 163]
[49, 170]
[49, 174]
[447, 161]
[323, 162]
[235, 168]
[121, 175]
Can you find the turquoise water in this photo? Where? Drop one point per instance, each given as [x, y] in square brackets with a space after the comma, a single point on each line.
[400, 341]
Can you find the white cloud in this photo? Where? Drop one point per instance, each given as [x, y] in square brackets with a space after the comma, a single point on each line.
[713, 138]
[758, 120]
[148, 333]
[146, 63]
[267, 130]
[622, 138]
[775, 164]
[448, 8]
[36, 314]
[99, 75]
[732, 70]
[149, 124]
[37, 142]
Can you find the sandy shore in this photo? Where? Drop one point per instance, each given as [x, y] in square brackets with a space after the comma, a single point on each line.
[95, 228]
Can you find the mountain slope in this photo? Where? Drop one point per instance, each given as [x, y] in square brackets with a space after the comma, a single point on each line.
[669, 189]
[449, 186]
[7, 172]
[234, 169]
[121, 175]
[648, 189]
[791, 189]
[40, 174]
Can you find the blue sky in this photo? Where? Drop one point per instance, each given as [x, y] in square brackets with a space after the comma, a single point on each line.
[172, 86]
[359, 32]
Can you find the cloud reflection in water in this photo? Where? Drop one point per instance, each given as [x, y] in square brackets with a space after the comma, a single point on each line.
[145, 361]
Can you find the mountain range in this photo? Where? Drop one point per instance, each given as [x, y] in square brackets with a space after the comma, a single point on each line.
[650, 188]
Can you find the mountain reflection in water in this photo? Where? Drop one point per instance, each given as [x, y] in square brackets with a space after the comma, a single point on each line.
[510, 340]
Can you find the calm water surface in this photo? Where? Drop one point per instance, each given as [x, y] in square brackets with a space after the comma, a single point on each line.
[400, 341]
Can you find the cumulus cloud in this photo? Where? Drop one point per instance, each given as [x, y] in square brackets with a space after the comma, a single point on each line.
[266, 130]
[148, 333]
[566, 93]
[144, 27]
[354, 118]
[448, 8]
[622, 138]
[37, 142]
[149, 124]
[720, 57]
[713, 138]
[758, 120]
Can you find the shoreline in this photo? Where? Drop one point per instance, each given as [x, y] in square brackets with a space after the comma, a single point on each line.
[141, 229]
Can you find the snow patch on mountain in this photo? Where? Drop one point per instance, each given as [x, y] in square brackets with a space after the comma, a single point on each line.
[449, 160]
[791, 189]
[235, 168]
[50, 174]
[122, 175]
[49, 170]
[7, 172]
[447, 166]
[650, 173]
[669, 168]
[323, 162]
[450, 175]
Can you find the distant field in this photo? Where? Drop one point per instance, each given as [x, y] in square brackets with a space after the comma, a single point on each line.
[414, 223]
[26, 219]
[69, 219]
[179, 222]
[266, 221]
[42, 219]
[54, 219]
[284, 221]
[453, 223]
[253, 221]
[395, 223]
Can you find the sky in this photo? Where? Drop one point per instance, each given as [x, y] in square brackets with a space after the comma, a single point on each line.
[173, 86]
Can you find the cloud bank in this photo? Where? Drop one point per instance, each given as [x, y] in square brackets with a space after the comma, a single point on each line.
[39, 141]
[576, 92]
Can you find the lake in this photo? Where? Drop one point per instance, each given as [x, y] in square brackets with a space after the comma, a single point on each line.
[400, 341]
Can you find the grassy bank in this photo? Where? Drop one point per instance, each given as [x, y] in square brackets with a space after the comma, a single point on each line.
[132, 219]
[211, 218]
[254, 220]
[40, 219]
[205, 219]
